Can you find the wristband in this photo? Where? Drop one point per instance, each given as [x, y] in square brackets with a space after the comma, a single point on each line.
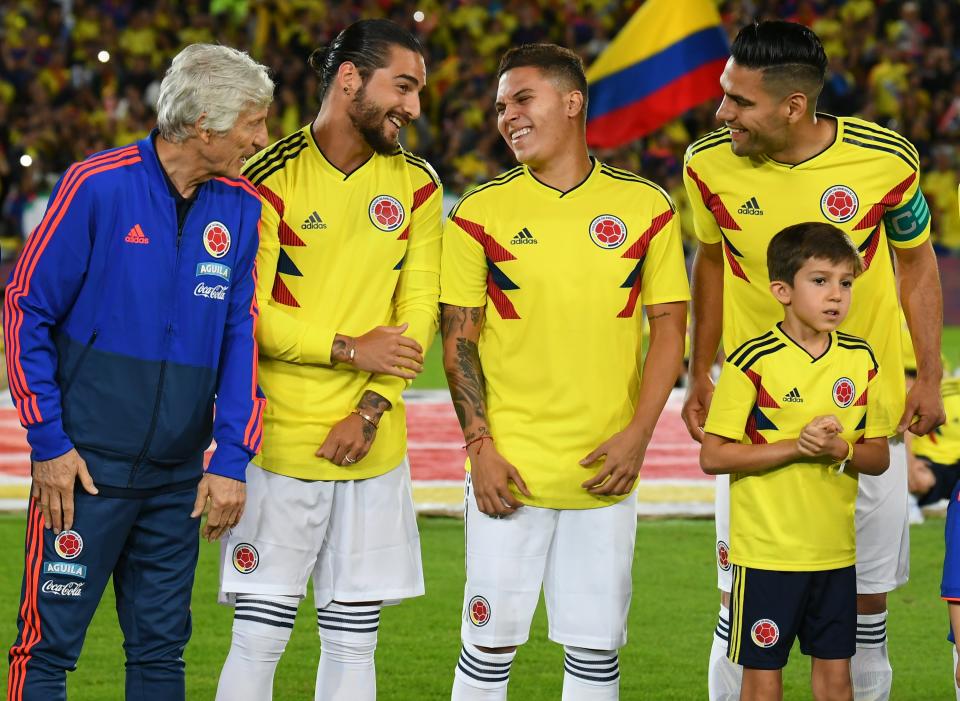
[366, 417]
[843, 463]
[477, 440]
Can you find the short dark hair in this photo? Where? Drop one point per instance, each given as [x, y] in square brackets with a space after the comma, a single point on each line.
[557, 62]
[790, 249]
[790, 55]
[366, 44]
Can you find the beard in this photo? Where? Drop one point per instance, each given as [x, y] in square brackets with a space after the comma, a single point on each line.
[368, 118]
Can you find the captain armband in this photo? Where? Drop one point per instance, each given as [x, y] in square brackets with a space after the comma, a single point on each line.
[909, 220]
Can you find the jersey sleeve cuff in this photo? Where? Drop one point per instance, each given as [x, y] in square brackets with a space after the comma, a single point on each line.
[48, 440]
[734, 434]
[230, 461]
[316, 345]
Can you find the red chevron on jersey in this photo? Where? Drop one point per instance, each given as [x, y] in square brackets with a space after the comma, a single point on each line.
[892, 198]
[729, 252]
[714, 204]
[284, 232]
[639, 251]
[405, 234]
[868, 249]
[422, 195]
[281, 293]
[501, 302]
[493, 250]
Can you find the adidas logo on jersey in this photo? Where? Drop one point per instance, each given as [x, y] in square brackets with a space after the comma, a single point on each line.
[136, 235]
[523, 237]
[313, 222]
[793, 396]
[751, 206]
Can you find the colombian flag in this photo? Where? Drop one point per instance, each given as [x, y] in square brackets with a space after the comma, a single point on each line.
[667, 59]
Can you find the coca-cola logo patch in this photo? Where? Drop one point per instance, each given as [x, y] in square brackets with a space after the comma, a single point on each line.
[217, 292]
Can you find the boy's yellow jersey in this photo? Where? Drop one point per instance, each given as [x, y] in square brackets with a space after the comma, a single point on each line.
[798, 517]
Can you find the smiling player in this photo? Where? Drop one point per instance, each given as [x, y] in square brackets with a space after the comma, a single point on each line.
[349, 279]
[544, 271]
[775, 162]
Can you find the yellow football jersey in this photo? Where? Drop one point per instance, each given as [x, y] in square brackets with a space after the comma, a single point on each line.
[562, 277]
[338, 254]
[798, 517]
[866, 183]
[943, 444]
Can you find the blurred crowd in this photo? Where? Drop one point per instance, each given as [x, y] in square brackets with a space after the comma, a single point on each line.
[79, 76]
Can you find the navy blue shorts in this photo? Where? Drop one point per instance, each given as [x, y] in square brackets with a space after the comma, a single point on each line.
[769, 609]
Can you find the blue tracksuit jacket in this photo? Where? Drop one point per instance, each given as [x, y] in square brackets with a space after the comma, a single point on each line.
[122, 331]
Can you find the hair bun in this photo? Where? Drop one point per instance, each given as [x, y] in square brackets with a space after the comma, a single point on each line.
[318, 57]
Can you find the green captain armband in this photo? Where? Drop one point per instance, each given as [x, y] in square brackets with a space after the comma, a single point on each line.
[909, 220]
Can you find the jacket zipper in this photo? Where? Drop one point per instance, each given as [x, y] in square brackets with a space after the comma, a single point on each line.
[163, 363]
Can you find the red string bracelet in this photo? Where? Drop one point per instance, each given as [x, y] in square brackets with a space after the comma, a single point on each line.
[477, 440]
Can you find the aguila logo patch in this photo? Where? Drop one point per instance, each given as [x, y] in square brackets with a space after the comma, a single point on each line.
[245, 558]
[765, 633]
[216, 239]
[844, 392]
[839, 204]
[608, 231]
[386, 213]
[68, 544]
[723, 556]
[479, 611]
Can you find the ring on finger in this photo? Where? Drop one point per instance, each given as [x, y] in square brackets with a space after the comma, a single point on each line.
[347, 459]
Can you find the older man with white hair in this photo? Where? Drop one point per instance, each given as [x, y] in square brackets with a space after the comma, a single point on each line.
[129, 317]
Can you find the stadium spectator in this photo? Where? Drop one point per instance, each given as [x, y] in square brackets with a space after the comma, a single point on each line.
[462, 40]
[121, 353]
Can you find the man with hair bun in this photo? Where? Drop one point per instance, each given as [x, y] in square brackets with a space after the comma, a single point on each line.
[128, 319]
[777, 161]
[349, 280]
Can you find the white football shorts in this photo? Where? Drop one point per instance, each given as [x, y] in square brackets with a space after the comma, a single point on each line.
[357, 539]
[582, 559]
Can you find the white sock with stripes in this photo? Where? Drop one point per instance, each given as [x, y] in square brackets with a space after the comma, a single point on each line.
[348, 639]
[590, 675]
[870, 668]
[481, 676]
[723, 676]
[261, 629]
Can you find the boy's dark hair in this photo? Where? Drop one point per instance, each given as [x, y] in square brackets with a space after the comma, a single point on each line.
[366, 44]
[555, 61]
[789, 54]
[790, 249]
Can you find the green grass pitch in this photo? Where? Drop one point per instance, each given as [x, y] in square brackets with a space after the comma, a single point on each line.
[671, 621]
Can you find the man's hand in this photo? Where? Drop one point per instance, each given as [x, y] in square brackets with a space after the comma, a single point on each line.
[227, 499]
[384, 350]
[490, 475]
[348, 441]
[696, 404]
[817, 437]
[624, 453]
[53, 484]
[925, 404]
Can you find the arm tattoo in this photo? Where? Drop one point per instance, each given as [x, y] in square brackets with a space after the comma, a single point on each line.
[339, 353]
[464, 372]
[468, 388]
[372, 404]
[658, 316]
